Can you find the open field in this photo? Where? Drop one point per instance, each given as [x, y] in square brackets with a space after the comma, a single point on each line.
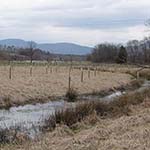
[42, 82]
[93, 125]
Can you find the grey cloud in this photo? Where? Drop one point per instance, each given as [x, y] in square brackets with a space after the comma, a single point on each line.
[90, 15]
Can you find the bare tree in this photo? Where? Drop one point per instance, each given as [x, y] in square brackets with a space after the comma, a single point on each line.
[32, 46]
[105, 52]
[146, 50]
[133, 50]
[49, 57]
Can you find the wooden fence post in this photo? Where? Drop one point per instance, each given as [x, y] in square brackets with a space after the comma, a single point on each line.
[51, 69]
[10, 72]
[89, 73]
[31, 70]
[81, 74]
[69, 83]
[47, 69]
[95, 72]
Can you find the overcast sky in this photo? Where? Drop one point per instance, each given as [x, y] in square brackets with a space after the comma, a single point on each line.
[86, 22]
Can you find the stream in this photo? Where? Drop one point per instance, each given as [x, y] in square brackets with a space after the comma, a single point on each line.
[29, 118]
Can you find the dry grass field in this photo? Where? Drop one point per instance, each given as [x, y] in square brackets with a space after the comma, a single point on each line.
[53, 81]
[125, 125]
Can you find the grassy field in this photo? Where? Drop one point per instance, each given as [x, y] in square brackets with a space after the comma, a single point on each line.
[122, 124]
[43, 82]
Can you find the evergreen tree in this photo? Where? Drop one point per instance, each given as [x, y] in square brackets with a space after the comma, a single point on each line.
[122, 55]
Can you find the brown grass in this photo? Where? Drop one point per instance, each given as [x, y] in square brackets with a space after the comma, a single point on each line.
[116, 108]
[118, 125]
[23, 88]
[71, 95]
[145, 74]
[118, 133]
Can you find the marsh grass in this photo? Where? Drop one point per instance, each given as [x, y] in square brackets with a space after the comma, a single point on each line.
[145, 74]
[71, 95]
[12, 136]
[133, 85]
[49, 125]
[3, 137]
[6, 103]
[118, 107]
[76, 114]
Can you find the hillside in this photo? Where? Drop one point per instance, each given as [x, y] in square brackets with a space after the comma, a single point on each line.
[57, 48]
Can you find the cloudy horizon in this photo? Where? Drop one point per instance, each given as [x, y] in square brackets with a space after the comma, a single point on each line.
[86, 22]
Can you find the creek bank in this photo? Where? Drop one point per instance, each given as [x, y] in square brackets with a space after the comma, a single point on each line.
[29, 119]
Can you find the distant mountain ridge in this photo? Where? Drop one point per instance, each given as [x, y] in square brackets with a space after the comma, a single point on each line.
[57, 48]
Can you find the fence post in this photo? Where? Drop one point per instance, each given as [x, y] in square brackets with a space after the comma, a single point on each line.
[69, 83]
[47, 69]
[95, 72]
[81, 74]
[89, 72]
[31, 70]
[10, 72]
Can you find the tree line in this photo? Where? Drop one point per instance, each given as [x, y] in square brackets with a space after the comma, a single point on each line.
[30, 52]
[133, 52]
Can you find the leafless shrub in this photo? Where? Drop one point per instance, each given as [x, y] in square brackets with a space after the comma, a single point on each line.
[71, 95]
